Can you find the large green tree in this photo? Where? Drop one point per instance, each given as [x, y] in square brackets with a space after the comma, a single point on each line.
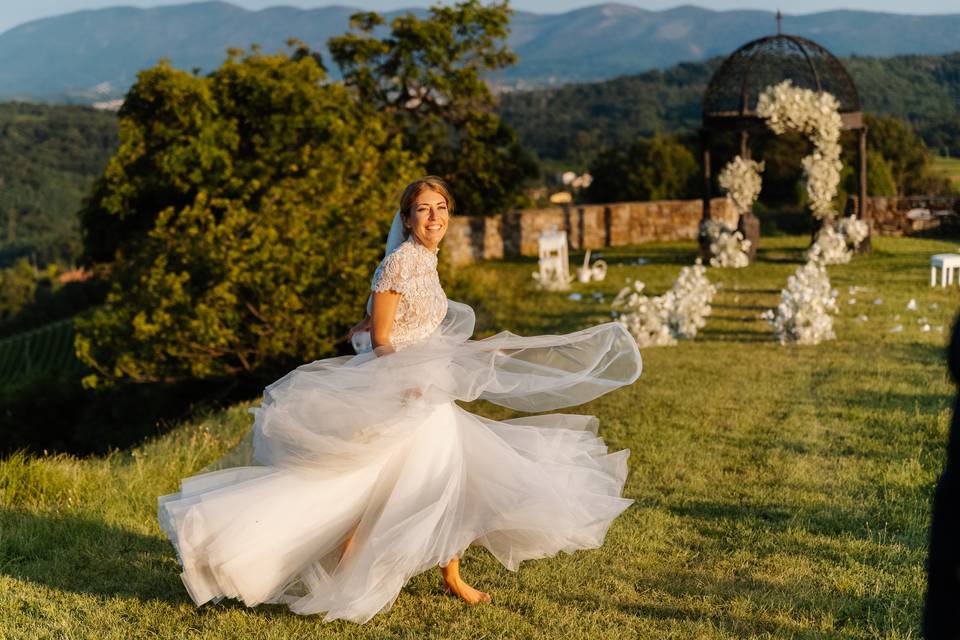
[243, 214]
[657, 168]
[427, 76]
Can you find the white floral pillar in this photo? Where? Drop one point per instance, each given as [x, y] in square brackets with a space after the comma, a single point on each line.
[747, 224]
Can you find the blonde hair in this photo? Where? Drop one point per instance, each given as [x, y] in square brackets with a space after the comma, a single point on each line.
[415, 188]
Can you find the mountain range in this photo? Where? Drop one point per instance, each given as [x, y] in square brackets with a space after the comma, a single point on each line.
[94, 55]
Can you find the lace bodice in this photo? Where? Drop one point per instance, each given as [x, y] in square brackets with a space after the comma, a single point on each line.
[411, 271]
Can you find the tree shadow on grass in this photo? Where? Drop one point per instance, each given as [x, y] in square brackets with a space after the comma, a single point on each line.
[566, 322]
[782, 259]
[708, 334]
[907, 403]
[694, 594]
[811, 530]
[765, 291]
[741, 307]
[87, 556]
[916, 364]
[660, 255]
[694, 588]
[781, 256]
[734, 624]
[826, 536]
[914, 352]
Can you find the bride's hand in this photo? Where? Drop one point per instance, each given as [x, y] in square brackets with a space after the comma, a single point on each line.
[363, 325]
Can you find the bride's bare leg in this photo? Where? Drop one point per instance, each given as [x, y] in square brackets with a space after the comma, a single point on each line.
[459, 588]
[348, 541]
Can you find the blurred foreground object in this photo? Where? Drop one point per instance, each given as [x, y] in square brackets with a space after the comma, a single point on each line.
[940, 617]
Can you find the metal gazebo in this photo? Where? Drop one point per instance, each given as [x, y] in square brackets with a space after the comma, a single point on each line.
[730, 101]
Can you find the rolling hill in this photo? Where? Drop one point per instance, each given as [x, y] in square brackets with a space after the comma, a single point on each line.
[94, 55]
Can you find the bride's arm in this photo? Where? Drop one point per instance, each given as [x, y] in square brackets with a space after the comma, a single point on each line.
[381, 320]
[381, 326]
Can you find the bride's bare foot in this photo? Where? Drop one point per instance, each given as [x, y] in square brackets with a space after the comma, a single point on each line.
[459, 588]
[467, 593]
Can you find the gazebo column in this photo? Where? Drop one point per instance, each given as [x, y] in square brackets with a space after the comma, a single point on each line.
[705, 172]
[862, 211]
[748, 224]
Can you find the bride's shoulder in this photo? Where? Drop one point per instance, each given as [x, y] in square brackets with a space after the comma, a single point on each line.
[394, 269]
[404, 254]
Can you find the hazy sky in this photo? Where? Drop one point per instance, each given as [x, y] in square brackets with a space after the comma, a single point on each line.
[14, 12]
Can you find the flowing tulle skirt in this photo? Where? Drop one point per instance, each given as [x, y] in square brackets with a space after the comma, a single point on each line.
[366, 473]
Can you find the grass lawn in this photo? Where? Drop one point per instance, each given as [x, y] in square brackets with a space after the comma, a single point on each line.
[780, 492]
[949, 168]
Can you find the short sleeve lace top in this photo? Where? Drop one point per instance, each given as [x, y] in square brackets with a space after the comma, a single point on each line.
[411, 271]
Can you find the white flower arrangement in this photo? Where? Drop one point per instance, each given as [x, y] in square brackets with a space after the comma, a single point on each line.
[831, 245]
[740, 178]
[855, 229]
[816, 115]
[690, 300]
[645, 318]
[661, 320]
[803, 315]
[728, 248]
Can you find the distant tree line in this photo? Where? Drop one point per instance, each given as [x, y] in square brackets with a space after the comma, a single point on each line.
[49, 157]
[571, 122]
[668, 167]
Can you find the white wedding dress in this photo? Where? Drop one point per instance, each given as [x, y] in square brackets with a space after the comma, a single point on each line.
[376, 448]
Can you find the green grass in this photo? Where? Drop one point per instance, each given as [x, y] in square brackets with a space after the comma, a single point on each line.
[948, 168]
[781, 492]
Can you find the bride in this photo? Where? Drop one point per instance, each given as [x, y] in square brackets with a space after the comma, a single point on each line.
[366, 472]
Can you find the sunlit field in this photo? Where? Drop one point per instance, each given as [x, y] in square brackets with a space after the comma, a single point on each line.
[949, 168]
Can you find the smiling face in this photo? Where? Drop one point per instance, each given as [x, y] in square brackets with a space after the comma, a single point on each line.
[427, 217]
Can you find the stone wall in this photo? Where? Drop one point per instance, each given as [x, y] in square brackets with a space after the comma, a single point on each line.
[897, 216]
[590, 226]
[594, 226]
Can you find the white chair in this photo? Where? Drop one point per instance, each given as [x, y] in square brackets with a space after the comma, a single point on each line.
[946, 262]
[554, 274]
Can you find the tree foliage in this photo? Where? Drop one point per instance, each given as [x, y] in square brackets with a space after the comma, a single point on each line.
[657, 168]
[426, 75]
[909, 159]
[18, 288]
[571, 122]
[568, 123]
[244, 212]
[49, 156]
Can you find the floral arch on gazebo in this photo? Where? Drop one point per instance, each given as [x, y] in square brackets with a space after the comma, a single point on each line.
[730, 104]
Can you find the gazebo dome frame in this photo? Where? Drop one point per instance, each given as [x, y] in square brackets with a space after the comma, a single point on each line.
[729, 104]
